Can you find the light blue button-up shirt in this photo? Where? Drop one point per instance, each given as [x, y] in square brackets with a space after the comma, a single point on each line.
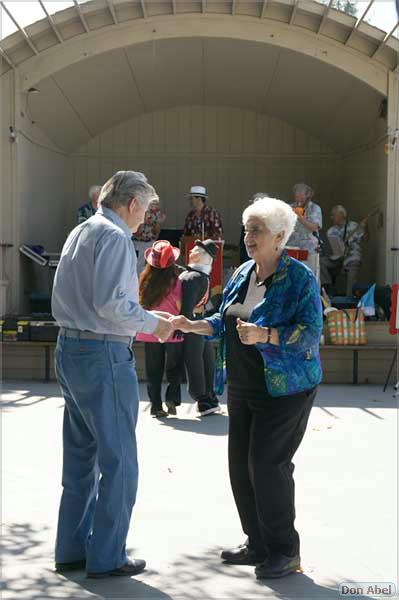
[95, 285]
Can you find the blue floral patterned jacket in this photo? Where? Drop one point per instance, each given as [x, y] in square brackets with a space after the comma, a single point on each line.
[292, 305]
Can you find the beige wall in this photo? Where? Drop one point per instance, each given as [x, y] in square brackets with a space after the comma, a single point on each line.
[8, 198]
[233, 152]
[36, 186]
[365, 189]
[6, 110]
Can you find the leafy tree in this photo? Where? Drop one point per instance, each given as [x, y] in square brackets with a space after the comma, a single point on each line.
[347, 6]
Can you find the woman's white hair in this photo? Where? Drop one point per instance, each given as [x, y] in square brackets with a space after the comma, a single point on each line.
[277, 216]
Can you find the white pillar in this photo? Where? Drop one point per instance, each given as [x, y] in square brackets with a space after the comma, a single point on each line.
[392, 212]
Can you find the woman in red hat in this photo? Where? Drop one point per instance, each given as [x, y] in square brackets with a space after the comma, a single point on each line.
[161, 290]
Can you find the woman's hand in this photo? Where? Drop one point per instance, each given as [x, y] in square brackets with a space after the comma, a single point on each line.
[183, 324]
[249, 333]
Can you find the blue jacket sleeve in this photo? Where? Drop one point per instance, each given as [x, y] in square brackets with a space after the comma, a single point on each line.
[216, 323]
[305, 332]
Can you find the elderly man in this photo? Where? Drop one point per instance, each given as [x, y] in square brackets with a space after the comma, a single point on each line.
[89, 209]
[202, 221]
[95, 303]
[345, 238]
[148, 231]
[309, 223]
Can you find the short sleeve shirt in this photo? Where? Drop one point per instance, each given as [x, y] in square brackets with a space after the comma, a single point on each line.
[353, 235]
[85, 212]
[208, 222]
[147, 232]
[301, 237]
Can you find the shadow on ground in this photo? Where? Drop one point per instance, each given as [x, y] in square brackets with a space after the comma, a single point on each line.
[28, 573]
[216, 424]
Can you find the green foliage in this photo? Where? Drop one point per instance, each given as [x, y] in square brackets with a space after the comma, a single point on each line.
[347, 6]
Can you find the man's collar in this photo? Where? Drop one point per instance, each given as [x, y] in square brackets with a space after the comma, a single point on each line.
[112, 216]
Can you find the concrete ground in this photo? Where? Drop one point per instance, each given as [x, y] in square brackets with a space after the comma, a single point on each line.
[346, 485]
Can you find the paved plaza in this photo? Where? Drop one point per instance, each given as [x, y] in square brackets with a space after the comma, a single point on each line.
[346, 489]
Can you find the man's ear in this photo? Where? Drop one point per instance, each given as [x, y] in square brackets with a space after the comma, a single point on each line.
[132, 205]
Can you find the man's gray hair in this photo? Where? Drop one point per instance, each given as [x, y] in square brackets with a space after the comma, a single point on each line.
[338, 208]
[123, 186]
[303, 188]
[94, 190]
[277, 216]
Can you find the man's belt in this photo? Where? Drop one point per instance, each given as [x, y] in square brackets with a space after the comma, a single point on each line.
[90, 335]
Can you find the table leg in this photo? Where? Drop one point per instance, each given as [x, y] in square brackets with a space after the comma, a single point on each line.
[355, 367]
[395, 354]
[46, 364]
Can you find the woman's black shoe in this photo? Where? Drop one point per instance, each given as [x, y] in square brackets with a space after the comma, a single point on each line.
[242, 555]
[278, 565]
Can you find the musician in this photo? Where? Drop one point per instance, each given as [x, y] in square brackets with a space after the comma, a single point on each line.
[148, 232]
[202, 221]
[309, 222]
[345, 239]
[90, 208]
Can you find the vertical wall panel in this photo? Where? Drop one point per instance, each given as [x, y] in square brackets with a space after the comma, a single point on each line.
[161, 142]
[364, 189]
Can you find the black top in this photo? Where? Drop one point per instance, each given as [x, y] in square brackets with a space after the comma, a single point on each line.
[195, 284]
[245, 367]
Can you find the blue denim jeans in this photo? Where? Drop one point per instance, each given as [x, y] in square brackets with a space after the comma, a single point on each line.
[100, 471]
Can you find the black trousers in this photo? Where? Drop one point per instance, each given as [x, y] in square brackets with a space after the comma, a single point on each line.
[199, 360]
[156, 355]
[264, 434]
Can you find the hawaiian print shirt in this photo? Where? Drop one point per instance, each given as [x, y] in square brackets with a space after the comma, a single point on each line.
[352, 236]
[85, 212]
[210, 218]
[301, 237]
[148, 231]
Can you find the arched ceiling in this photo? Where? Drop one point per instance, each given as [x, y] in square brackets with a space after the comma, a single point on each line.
[90, 96]
[105, 61]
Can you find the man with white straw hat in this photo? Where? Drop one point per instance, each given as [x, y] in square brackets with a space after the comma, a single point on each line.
[202, 221]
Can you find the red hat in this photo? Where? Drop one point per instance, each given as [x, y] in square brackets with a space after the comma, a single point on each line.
[162, 254]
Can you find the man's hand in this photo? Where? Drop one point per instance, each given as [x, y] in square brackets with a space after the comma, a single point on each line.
[249, 333]
[182, 323]
[162, 313]
[163, 330]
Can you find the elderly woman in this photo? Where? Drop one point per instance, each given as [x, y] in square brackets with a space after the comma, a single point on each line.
[269, 322]
[308, 225]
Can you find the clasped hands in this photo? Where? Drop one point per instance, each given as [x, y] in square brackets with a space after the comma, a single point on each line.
[249, 333]
[168, 323]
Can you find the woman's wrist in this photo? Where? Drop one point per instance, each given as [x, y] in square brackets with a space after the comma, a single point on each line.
[265, 335]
